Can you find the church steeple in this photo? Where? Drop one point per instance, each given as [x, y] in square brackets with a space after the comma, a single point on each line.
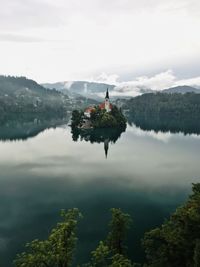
[107, 102]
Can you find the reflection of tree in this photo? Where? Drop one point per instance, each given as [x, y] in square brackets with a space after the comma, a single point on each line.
[166, 123]
[98, 136]
[24, 127]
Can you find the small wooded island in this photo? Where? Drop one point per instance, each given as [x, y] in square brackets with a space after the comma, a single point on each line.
[104, 115]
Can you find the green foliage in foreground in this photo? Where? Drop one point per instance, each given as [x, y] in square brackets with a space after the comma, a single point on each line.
[175, 244]
[58, 249]
[112, 251]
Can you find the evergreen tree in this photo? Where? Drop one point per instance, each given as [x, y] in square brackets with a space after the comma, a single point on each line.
[197, 254]
[119, 225]
[176, 242]
[77, 118]
[58, 249]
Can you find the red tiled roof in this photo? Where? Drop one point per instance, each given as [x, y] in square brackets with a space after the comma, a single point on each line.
[89, 109]
[101, 106]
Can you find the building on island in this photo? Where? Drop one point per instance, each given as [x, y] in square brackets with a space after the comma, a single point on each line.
[105, 105]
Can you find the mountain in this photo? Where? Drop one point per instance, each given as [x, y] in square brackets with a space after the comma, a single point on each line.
[181, 90]
[19, 95]
[83, 88]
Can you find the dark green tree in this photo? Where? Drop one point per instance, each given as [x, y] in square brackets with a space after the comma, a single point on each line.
[119, 260]
[197, 253]
[176, 242]
[77, 118]
[101, 256]
[111, 252]
[119, 225]
[58, 249]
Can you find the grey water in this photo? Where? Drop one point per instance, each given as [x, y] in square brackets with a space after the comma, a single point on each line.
[146, 173]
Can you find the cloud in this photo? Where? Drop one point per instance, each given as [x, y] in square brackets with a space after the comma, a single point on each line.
[190, 82]
[20, 14]
[156, 82]
[103, 36]
[68, 84]
[106, 78]
[10, 37]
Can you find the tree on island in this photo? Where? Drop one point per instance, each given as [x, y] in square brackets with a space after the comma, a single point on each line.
[77, 118]
[104, 115]
[100, 118]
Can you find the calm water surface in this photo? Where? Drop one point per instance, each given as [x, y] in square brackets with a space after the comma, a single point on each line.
[145, 173]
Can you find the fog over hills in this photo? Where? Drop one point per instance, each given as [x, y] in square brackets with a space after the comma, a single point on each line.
[22, 95]
[96, 90]
[181, 90]
[84, 88]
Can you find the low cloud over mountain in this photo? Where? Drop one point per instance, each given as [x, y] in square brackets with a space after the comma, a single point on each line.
[145, 84]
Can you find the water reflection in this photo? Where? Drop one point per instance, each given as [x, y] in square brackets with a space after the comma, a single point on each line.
[104, 136]
[29, 127]
[167, 124]
[147, 174]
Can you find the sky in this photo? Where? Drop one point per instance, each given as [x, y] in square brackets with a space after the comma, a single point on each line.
[115, 41]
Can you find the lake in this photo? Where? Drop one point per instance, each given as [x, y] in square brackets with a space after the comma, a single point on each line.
[146, 173]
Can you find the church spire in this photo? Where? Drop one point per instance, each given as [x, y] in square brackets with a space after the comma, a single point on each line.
[107, 94]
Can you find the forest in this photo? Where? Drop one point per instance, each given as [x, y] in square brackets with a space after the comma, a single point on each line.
[165, 112]
[19, 95]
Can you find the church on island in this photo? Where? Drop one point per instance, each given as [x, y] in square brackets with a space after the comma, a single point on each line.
[101, 123]
[106, 105]
[101, 116]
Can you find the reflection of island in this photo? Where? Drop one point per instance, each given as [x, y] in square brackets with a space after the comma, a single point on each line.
[105, 136]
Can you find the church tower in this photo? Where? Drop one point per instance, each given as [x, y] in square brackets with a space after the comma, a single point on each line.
[107, 101]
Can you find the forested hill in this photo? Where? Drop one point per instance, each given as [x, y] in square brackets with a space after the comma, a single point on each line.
[165, 104]
[166, 112]
[22, 95]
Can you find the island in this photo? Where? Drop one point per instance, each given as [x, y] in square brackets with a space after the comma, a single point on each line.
[104, 115]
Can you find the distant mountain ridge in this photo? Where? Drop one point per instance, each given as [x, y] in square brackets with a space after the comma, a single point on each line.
[181, 90]
[96, 90]
[22, 95]
[83, 88]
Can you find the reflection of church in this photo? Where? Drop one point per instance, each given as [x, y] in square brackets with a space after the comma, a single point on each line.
[106, 146]
[105, 136]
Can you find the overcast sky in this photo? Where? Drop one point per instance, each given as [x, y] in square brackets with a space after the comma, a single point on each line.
[105, 40]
